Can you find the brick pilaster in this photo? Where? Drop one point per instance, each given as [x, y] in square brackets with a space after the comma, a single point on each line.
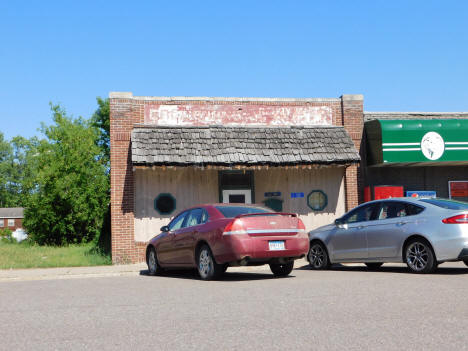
[353, 121]
[122, 118]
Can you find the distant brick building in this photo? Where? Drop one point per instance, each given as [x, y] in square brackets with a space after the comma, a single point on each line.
[293, 155]
[11, 218]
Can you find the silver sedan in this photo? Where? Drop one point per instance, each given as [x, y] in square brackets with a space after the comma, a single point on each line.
[421, 232]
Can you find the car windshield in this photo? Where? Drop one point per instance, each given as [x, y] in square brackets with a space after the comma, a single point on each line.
[448, 204]
[233, 211]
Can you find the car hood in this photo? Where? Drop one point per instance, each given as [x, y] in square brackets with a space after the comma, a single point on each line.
[323, 228]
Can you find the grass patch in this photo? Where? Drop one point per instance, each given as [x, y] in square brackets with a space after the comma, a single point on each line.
[27, 255]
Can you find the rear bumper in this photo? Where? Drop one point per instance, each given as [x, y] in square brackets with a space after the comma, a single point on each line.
[246, 249]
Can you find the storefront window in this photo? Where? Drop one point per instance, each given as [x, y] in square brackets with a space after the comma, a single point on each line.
[165, 203]
[275, 204]
[317, 200]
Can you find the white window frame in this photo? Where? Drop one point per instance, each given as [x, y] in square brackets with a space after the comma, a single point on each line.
[246, 192]
[2, 222]
[11, 222]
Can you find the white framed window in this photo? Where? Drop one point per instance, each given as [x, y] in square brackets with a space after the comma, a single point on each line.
[241, 196]
[2, 222]
[11, 222]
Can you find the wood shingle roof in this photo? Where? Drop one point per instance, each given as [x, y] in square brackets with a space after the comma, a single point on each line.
[259, 145]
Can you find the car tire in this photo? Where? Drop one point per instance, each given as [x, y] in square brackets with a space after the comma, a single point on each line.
[152, 261]
[374, 265]
[420, 257]
[318, 256]
[282, 269]
[208, 269]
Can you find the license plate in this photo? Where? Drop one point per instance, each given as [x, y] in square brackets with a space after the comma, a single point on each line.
[276, 245]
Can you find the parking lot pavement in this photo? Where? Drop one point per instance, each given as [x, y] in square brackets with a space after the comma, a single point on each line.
[99, 271]
[120, 270]
[347, 307]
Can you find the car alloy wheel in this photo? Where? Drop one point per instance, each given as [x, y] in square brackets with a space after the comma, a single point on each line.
[153, 266]
[318, 257]
[419, 257]
[207, 267]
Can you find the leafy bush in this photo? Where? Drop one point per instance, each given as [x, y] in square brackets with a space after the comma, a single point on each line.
[72, 188]
[6, 236]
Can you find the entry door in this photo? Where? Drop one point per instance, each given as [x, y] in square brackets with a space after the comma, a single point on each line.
[237, 196]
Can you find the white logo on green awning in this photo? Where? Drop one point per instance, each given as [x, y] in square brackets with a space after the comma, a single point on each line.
[432, 146]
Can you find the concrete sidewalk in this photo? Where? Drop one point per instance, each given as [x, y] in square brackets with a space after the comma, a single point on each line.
[102, 271]
[71, 272]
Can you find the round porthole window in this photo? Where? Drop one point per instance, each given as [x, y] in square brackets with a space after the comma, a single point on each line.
[165, 203]
[317, 200]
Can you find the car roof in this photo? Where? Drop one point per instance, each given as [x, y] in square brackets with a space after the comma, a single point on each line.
[414, 200]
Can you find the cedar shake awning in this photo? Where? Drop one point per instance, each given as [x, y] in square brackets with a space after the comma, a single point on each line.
[244, 146]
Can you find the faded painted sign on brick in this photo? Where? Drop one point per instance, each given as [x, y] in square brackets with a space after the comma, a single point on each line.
[196, 115]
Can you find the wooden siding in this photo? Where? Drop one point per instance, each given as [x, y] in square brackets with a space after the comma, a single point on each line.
[191, 186]
[287, 181]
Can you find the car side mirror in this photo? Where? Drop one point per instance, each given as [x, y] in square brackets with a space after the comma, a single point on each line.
[339, 223]
[165, 228]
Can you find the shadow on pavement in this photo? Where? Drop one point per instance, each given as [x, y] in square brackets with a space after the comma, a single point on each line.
[226, 277]
[441, 270]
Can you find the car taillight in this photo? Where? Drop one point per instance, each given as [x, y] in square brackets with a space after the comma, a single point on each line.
[300, 226]
[459, 219]
[235, 227]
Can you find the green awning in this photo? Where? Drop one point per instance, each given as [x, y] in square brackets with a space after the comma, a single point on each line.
[416, 140]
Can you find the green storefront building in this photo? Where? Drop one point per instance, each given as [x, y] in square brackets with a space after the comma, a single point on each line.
[417, 151]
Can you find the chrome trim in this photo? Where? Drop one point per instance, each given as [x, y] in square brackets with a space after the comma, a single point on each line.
[264, 231]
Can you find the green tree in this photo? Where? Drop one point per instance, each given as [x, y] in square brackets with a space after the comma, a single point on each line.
[70, 196]
[17, 178]
[22, 172]
[6, 157]
[101, 121]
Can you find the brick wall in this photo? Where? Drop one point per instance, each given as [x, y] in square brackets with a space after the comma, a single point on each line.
[126, 110]
[353, 121]
[18, 223]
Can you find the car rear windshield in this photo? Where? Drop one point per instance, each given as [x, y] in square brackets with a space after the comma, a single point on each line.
[448, 204]
[233, 211]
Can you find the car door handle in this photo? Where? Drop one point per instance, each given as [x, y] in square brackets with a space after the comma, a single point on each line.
[360, 227]
[402, 223]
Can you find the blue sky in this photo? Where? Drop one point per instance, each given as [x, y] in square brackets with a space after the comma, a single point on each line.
[402, 55]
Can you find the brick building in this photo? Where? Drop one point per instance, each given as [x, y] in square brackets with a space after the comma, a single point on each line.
[293, 155]
[11, 218]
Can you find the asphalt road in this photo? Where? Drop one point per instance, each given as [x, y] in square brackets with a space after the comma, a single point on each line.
[346, 308]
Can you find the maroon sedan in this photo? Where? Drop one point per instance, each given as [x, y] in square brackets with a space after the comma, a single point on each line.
[214, 237]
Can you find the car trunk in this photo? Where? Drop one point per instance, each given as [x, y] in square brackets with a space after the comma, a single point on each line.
[277, 224]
